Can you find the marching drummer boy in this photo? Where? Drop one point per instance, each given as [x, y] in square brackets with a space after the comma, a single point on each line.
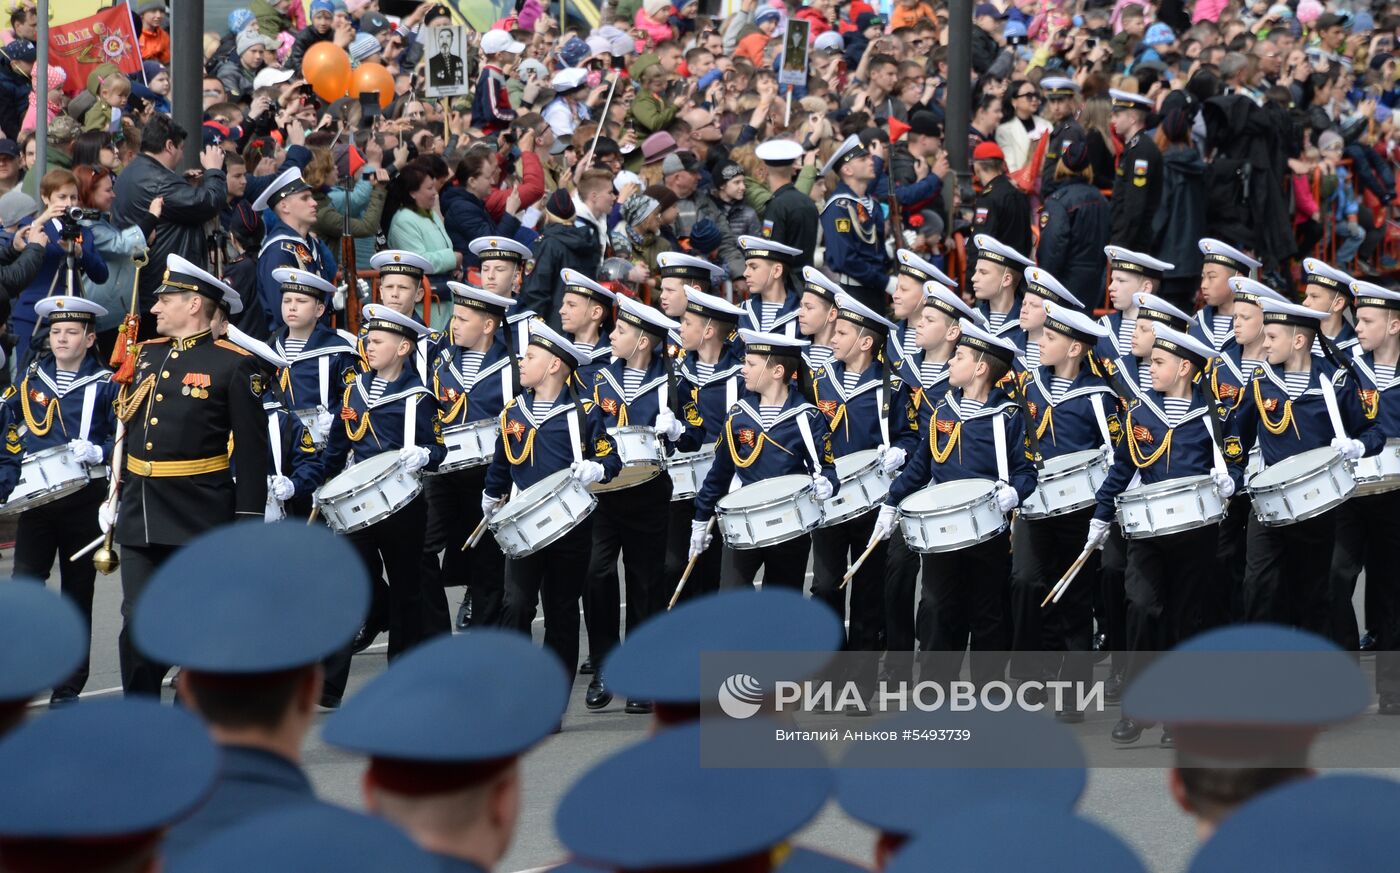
[996, 282]
[906, 302]
[772, 304]
[1130, 274]
[777, 431]
[401, 289]
[1041, 288]
[64, 399]
[973, 434]
[816, 316]
[1221, 265]
[586, 317]
[1294, 403]
[1170, 434]
[677, 272]
[388, 409]
[544, 430]
[502, 270]
[320, 359]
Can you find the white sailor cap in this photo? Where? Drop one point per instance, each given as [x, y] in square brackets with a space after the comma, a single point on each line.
[297, 281]
[1073, 323]
[181, 276]
[848, 150]
[62, 307]
[989, 248]
[1154, 308]
[285, 185]
[552, 341]
[577, 283]
[479, 298]
[1129, 261]
[381, 317]
[678, 265]
[850, 309]
[757, 342]
[766, 249]
[568, 79]
[816, 281]
[400, 261]
[1248, 290]
[1129, 100]
[1216, 252]
[257, 347]
[500, 248]
[1181, 344]
[1370, 294]
[1058, 86]
[493, 41]
[911, 264]
[710, 306]
[1320, 273]
[779, 152]
[640, 315]
[949, 303]
[979, 340]
[1283, 312]
[1042, 284]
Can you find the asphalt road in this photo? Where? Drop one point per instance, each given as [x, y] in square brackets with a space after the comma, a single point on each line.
[1132, 800]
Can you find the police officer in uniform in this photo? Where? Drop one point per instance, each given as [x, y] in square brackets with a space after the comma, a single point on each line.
[289, 241]
[1062, 107]
[853, 227]
[191, 395]
[790, 217]
[1137, 183]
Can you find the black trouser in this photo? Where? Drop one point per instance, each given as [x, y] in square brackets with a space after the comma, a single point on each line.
[1368, 538]
[1041, 551]
[833, 550]
[704, 579]
[965, 597]
[632, 522]
[1288, 573]
[59, 530]
[552, 576]
[1164, 583]
[784, 564]
[454, 511]
[1113, 604]
[1223, 602]
[901, 584]
[138, 563]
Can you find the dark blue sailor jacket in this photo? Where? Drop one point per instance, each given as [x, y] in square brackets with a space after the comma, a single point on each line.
[858, 419]
[1084, 417]
[961, 446]
[405, 414]
[317, 375]
[532, 448]
[493, 387]
[1283, 427]
[42, 417]
[705, 403]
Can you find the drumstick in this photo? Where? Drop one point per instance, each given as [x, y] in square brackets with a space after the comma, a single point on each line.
[475, 536]
[851, 571]
[1073, 571]
[89, 548]
[315, 511]
[690, 565]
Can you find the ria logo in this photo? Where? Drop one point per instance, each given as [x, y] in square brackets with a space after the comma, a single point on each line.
[740, 696]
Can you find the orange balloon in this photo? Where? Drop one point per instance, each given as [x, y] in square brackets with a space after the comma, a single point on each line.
[326, 67]
[370, 76]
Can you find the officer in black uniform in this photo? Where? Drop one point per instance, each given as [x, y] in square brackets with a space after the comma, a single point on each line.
[791, 216]
[1003, 211]
[1062, 110]
[1137, 184]
[191, 395]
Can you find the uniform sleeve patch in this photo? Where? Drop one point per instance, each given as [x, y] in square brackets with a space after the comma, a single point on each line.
[843, 225]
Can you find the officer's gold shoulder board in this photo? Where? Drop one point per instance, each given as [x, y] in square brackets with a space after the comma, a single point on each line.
[225, 344]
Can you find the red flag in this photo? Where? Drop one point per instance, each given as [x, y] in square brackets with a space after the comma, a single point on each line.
[897, 129]
[108, 37]
[1028, 177]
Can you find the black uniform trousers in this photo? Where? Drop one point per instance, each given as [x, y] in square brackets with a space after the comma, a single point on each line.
[1224, 603]
[632, 522]
[553, 577]
[965, 598]
[140, 675]
[1288, 573]
[704, 579]
[901, 584]
[1368, 538]
[454, 511]
[1042, 550]
[833, 550]
[1112, 616]
[1164, 584]
[58, 530]
[784, 564]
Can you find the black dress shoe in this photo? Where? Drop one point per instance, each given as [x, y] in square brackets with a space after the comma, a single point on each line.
[1168, 742]
[638, 707]
[1128, 731]
[464, 612]
[586, 668]
[598, 695]
[1113, 687]
[328, 703]
[1389, 705]
[1368, 642]
[362, 639]
[63, 697]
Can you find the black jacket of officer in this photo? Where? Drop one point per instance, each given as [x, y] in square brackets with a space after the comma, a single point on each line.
[1074, 228]
[1137, 191]
[1007, 215]
[791, 218]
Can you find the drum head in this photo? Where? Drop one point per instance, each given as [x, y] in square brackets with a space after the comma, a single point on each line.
[532, 495]
[1183, 483]
[1069, 462]
[1292, 468]
[947, 495]
[635, 474]
[847, 465]
[767, 491]
[363, 472]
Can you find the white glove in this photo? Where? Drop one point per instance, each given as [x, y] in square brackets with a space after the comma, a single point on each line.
[892, 459]
[85, 452]
[338, 298]
[1007, 498]
[884, 524]
[413, 458]
[490, 504]
[667, 426]
[588, 472]
[700, 538]
[106, 516]
[324, 420]
[1098, 533]
[1108, 453]
[282, 488]
[1224, 485]
[1348, 448]
[821, 487]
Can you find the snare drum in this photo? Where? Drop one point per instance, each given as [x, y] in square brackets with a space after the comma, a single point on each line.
[469, 445]
[768, 512]
[46, 476]
[310, 419]
[367, 493]
[1378, 473]
[688, 472]
[951, 516]
[1301, 487]
[1169, 507]
[641, 454]
[1067, 484]
[542, 514]
[864, 486]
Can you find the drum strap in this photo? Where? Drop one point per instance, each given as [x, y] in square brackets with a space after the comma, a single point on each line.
[668, 391]
[1329, 397]
[577, 418]
[323, 365]
[1335, 354]
[575, 442]
[999, 440]
[274, 441]
[1101, 420]
[410, 421]
[1018, 393]
[884, 416]
[731, 393]
[805, 428]
[508, 377]
[1218, 459]
[89, 402]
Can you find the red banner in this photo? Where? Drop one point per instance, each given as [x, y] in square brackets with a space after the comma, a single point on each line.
[109, 37]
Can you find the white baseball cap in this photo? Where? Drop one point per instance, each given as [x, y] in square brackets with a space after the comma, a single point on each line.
[493, 41]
